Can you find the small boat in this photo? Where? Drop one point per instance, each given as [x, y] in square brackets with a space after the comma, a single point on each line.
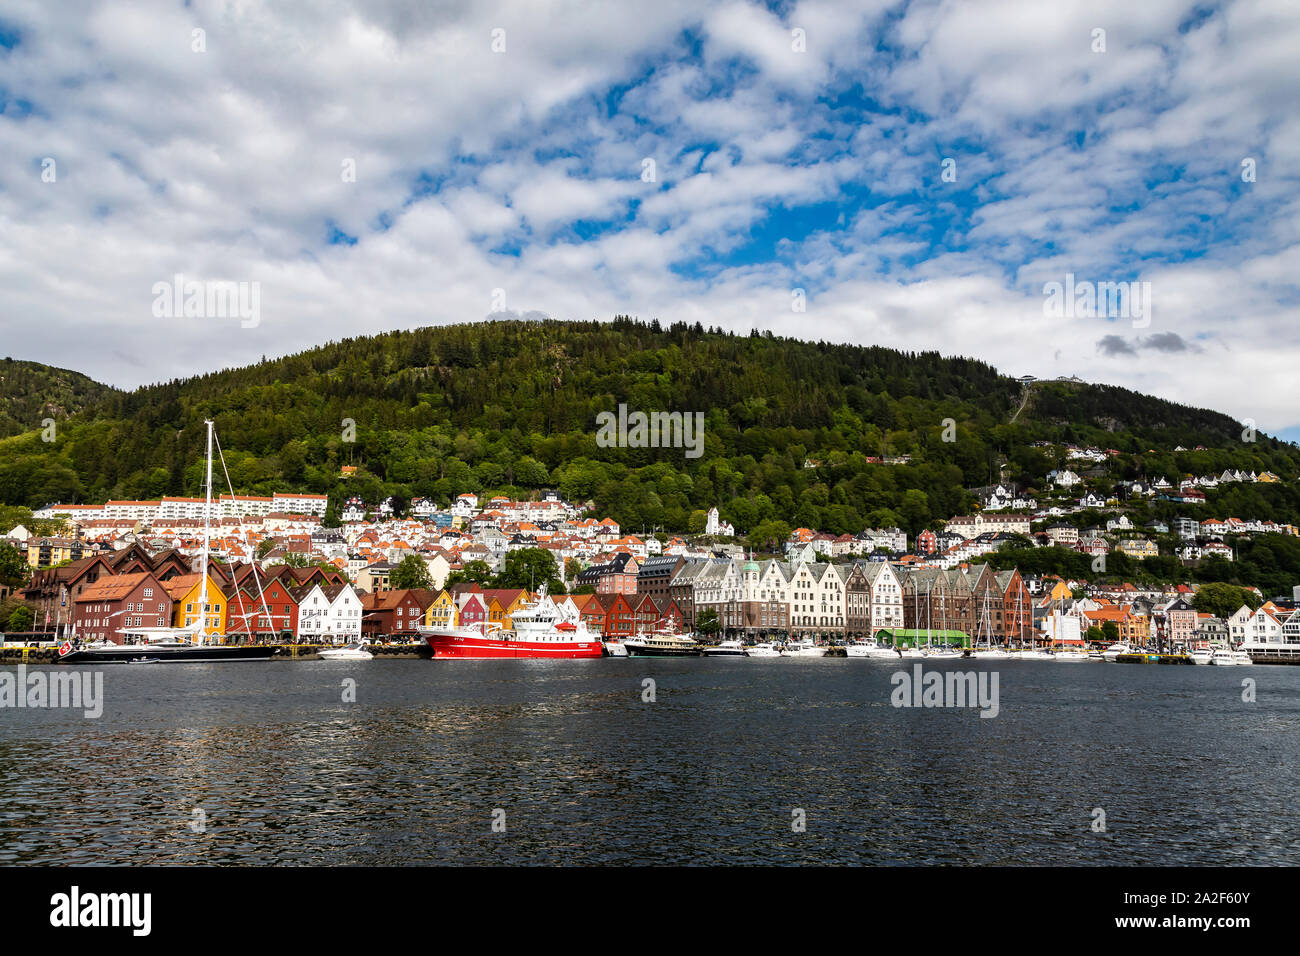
[1115, 650]
[726, 649]
[1227, 657]
[870, 649]
[1033, 654]
[145, 660]
[763, 650]
[1203, 655]
[349, 652]
[990, 654]
[1071, 655]
[615, 649]
[803, 649]
[942, 653]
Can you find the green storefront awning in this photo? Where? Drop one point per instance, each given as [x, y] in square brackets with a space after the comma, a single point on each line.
[910, 637]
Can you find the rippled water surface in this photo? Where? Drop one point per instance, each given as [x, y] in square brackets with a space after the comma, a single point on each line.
[712, 771]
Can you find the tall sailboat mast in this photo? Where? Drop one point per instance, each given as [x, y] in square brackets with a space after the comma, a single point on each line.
[203, 560]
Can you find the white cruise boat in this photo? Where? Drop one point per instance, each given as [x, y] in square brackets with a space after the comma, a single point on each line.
[803, 649]
[1202, 655]
[871, 649]
[726, 649]
[1241, 657]
[615, 649]
[769, 649]
[661, 642]
[349, 652]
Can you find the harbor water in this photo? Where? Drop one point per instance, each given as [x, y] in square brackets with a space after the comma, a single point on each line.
[714, 761]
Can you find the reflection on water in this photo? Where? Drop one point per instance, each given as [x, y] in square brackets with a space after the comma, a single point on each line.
[286, 772]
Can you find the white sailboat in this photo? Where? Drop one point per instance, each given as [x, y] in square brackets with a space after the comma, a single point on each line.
[984, 649]
[186, 644]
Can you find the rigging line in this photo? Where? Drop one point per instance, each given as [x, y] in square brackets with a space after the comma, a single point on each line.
[253, 560]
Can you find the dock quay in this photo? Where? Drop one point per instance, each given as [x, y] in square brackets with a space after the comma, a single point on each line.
[1154, 659]
[1274, 655]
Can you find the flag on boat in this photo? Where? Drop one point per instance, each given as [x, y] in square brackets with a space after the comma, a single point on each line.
[65, 648]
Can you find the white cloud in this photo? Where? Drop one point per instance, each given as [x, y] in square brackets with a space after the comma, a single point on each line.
[472, 167]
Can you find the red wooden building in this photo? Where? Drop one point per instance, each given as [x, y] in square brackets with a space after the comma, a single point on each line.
[122, 600]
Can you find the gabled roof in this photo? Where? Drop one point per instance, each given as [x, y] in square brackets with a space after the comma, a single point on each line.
[114, 587]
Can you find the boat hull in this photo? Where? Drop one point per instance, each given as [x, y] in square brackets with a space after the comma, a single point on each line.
[478, 648]
[201, 654]
[871, 653]
[641, 651]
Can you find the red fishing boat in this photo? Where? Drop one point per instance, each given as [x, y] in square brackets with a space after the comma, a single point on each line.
[539, 632]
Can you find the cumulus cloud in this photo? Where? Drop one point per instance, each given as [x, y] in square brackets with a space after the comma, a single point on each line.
[379, 165]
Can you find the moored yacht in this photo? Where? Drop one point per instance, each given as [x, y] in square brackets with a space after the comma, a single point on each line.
[1229, 657]
[870, 649]
[1203, 655]
[355, 651]
[803, 649]
[768, 649]
[725, 649]
[1115, 650]
[663, 642]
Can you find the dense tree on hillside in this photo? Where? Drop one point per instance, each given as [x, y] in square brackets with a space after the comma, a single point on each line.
[796, 432]
[33, 395]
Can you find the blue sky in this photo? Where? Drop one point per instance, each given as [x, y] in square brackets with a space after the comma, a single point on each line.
[501, 151]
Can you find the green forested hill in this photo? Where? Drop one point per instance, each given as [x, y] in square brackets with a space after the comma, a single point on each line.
[31, 392]
[509, 407]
